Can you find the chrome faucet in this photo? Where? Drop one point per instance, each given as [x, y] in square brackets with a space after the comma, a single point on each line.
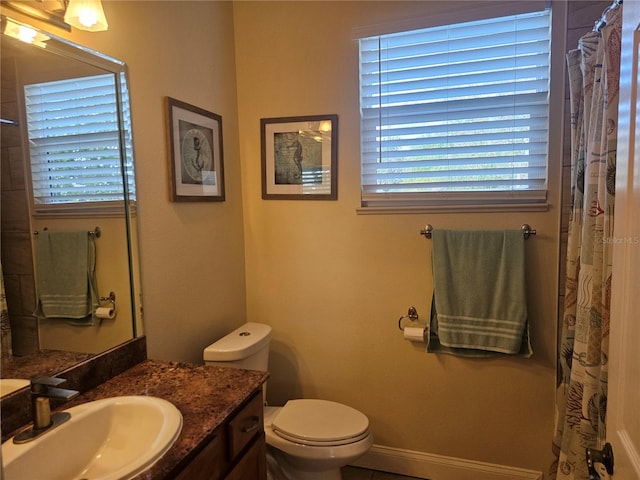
[43, 389]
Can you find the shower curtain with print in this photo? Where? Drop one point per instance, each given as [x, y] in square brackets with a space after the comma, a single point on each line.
[581, 396]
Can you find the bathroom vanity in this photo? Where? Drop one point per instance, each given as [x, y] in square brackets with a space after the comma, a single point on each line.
[222, 435]
[236, 450]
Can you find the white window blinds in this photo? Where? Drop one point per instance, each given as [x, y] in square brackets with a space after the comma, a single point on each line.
[456, 112]
[74, 142]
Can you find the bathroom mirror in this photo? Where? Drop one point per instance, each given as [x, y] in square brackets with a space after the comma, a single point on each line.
[104, 208]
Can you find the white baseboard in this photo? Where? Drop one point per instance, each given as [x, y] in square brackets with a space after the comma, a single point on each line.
[438, 467]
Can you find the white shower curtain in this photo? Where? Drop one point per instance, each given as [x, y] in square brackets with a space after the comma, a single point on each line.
[581, 397]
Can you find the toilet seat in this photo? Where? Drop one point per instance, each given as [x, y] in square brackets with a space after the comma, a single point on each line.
[320, 423]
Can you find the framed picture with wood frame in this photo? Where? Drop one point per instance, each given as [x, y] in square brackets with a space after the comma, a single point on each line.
[195, 142]
[300, 158]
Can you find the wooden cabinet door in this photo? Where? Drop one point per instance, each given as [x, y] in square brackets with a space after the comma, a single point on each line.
[253, 465]
[210, 463]
[245, 425]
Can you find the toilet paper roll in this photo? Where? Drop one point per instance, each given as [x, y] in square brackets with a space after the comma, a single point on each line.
[106, 312]
[414, 334]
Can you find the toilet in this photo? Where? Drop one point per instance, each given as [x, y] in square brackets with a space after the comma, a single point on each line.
[307, 439]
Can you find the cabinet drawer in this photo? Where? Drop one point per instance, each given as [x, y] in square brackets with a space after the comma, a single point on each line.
[210, 463]
[245, 425]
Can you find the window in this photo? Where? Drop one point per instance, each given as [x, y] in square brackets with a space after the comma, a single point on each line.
[456, 114]
[74, 143]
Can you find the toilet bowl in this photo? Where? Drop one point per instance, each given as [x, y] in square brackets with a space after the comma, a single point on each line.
[307, 439]
[312, 439]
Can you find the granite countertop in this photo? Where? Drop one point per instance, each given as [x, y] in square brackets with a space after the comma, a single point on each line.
[44, 362]
[205, 395]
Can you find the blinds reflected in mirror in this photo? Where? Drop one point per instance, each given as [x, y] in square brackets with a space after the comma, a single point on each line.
[74, 141]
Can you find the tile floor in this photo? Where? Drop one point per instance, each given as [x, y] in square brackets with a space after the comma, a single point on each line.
[354, 473]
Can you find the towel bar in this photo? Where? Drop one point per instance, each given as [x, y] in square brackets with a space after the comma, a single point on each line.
[527, 231]
[96, 232]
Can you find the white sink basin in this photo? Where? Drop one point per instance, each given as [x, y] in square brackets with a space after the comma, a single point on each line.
[10, 385]
[109, 439]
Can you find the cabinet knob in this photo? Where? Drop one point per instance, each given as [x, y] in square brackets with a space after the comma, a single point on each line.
[253, 426]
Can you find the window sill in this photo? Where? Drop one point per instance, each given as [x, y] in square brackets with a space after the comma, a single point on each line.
[112, 210]
[413, 209]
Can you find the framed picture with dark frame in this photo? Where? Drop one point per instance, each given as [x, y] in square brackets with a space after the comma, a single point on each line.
[300, 157]
[195, 141]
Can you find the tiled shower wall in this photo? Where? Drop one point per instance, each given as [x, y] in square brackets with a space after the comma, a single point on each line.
[17, 258]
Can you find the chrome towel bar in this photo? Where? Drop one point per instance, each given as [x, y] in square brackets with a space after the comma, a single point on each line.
[527, 231]
[92, 233]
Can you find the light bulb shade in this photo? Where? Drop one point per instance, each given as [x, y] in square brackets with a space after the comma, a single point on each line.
[86, 15]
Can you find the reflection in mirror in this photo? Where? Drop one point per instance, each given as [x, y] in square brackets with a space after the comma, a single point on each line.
[67, 167]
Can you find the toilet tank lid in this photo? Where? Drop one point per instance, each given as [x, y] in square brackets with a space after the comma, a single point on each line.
[243, 342]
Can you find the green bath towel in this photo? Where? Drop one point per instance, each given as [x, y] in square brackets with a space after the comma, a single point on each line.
[65, 270]
[479, 306]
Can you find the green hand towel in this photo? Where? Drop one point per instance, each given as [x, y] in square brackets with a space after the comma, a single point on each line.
[65, 270]
[479, 293]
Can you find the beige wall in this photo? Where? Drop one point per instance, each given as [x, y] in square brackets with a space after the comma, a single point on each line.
[192, 253]
[333, 283]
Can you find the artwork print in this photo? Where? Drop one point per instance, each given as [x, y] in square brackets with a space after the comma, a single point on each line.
[195, 141]
[299, 157]
[196, 154]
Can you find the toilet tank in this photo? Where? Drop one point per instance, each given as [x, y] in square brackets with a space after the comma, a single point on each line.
[245, 347]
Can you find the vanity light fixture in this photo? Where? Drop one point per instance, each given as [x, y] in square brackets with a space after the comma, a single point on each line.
[24, 33]
[86, 15]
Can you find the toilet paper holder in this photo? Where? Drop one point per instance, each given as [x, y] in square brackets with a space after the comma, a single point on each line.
[106, 308]
[412, 314]
[111, 300]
